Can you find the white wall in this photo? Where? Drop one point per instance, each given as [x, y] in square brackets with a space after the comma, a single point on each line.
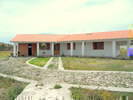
[46, 52]
[89, 51]
[106, 52]
[63, 49]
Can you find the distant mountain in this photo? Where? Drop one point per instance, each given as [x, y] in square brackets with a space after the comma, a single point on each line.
[5, 47]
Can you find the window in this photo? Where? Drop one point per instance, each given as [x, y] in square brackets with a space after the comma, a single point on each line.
[98, 45]
[48, 46]
[68, 46]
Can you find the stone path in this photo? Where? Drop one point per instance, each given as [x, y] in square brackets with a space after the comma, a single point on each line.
[54, 64]
[45, 89]
[48, 63]
[45, 92]
[60, 64]
[18, 67]
[17, 78]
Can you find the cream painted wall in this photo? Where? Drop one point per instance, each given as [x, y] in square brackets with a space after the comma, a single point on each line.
[89, 51]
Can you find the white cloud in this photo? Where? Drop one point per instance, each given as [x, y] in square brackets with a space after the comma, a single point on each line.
[67, 16]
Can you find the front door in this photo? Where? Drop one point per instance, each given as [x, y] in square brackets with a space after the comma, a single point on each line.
[57, 49]
[29, 49]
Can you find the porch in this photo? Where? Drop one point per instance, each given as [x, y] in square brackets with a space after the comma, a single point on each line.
[106, 48]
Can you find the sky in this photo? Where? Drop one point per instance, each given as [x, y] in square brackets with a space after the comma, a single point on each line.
[63, 16]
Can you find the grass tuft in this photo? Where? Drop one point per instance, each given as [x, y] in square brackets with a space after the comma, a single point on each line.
[57, 86]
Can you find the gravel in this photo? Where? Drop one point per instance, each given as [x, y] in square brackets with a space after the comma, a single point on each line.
[18, 67]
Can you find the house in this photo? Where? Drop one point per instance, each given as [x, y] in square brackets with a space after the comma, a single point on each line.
[97, 44]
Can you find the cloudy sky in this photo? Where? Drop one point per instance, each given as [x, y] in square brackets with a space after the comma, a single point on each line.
[63, 16]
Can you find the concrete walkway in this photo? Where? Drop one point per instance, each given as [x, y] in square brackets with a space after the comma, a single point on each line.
[17, 78]
[114, 89]
[44, 89]
[60, 64]
[48, 63]
[45, 92]
[107, 80]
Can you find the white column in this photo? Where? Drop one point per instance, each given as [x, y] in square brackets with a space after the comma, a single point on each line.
[52, 48]
[38, 49]
[71, 47]
[14, 49]
[83, 48]
[113, 48]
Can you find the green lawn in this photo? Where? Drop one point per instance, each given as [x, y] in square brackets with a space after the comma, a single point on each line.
[10, 89]
[98, 64]
[85, 94]
[5, 54]
[40, 61]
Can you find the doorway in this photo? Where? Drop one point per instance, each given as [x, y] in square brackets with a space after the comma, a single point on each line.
[57, 49]
[29, 49]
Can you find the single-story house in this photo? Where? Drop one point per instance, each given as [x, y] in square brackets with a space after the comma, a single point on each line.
[97, 44]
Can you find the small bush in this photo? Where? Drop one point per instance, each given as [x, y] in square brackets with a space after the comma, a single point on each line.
[57, 86]
[13, 92]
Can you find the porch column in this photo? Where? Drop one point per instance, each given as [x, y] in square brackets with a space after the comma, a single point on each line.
[113, 48]
[14, 49]
[128, 46]
[71, 46]
[52, 48]
[82, 48]
[38, 49]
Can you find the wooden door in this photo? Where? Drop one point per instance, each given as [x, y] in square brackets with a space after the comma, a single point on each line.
[57, 49]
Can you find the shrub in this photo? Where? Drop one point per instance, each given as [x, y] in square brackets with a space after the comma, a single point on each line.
[13, 92]
[57, 86]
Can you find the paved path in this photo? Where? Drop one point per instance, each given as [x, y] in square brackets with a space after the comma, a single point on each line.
[18, 67]
[111, 80]
[45, 89]
[17, 78]
[60, 64]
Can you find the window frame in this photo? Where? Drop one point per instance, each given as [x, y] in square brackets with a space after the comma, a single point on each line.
[74, 46]
[98, 45]
[48, 46]
[68, 46]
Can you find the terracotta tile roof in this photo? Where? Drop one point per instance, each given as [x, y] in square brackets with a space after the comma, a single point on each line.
[73, 37]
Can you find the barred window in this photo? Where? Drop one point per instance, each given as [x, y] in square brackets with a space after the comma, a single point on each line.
[98, 45]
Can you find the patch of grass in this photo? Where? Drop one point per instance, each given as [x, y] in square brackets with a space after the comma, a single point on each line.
[85, 94]
[5, 54]
[10, 89]
[57, 86]
[51, 66]
[98, 64]
[14, 91]
[40, 61]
